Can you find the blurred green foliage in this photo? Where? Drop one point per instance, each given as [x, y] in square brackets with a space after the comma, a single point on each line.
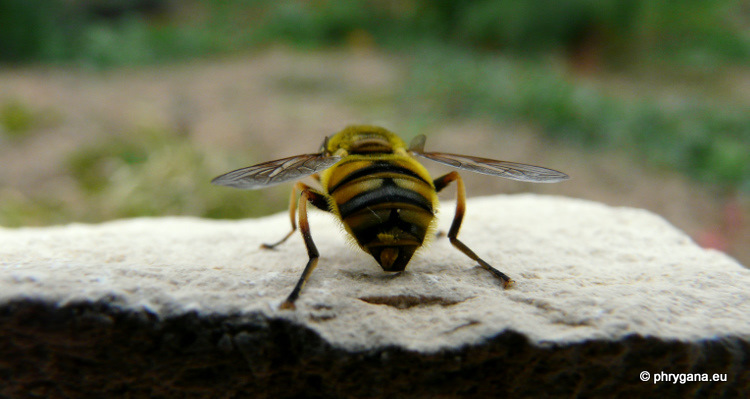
[18, 119]
[105, 33]
[705, 140]
[153, 172]
[18, 210]
[622, 32]
[148, 171]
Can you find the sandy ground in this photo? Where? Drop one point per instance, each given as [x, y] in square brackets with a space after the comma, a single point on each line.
[279, 103]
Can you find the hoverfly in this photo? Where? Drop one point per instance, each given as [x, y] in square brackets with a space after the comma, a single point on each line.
[386, 200]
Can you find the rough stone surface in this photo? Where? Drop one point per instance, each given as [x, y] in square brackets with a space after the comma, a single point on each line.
[183, 307]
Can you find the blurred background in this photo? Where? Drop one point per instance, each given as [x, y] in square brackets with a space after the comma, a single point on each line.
[126, 108]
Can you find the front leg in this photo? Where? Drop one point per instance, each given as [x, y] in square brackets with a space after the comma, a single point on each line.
[440, 183]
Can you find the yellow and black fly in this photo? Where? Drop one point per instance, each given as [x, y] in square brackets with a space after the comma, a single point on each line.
[386, 200]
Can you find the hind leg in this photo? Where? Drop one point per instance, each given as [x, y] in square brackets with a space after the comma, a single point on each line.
[441, 183]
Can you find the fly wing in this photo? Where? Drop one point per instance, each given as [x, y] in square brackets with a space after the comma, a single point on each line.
[508, 170]
[276, 172]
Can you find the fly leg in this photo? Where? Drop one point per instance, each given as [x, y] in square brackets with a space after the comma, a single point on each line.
[312, 251]
[440, 183]
[292, 207]
[318, 201]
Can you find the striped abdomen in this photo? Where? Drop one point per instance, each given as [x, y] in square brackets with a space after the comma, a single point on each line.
[386, 205]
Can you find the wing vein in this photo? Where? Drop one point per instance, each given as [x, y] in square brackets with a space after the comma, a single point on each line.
[505, 169]
[276, 172]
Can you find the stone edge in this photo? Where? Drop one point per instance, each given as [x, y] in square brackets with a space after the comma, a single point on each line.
[98, 349]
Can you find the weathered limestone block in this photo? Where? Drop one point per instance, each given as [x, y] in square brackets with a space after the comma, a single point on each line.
[185, 307]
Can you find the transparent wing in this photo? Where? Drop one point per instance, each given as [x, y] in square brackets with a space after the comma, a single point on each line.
[508, 170]
[275, 172]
